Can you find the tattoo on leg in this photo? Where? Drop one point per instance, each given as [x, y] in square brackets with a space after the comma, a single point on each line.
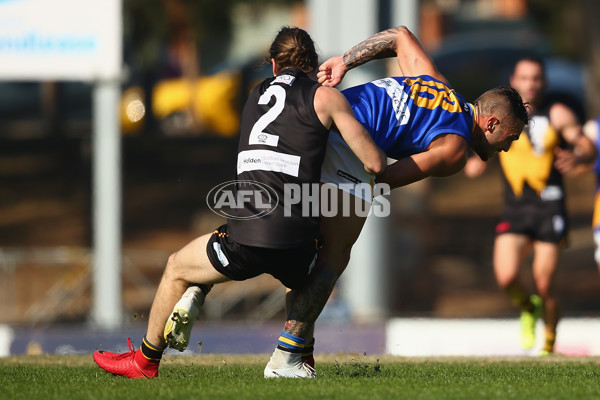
[307, 303]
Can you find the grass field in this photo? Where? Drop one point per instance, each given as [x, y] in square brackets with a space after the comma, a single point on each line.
[340, 377]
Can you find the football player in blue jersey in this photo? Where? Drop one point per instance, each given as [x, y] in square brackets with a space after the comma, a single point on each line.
[417, 119]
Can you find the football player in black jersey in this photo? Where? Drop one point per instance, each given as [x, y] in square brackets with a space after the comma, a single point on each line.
[534, 217]
[285, 126]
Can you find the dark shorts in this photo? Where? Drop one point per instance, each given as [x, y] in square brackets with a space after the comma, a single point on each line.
[545, 224]
[239, 262]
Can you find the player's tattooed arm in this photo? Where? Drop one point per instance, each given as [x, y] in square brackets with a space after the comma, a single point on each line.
[380, 45]
[399, 42]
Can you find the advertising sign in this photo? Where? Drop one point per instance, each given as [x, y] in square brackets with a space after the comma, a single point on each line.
[60, 39]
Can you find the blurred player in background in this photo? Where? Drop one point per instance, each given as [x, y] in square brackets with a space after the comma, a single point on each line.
[591, 129]
[285, 126]
[534, 217]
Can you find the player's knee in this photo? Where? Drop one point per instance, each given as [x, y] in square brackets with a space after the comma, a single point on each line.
[502, 285]
[172, 270]
[505, 282]
[544, 290]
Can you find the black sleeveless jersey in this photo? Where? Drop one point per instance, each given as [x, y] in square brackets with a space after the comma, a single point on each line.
[282, 146]
[530, 178]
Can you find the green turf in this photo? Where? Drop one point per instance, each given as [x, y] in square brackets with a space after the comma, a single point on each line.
[340, 377]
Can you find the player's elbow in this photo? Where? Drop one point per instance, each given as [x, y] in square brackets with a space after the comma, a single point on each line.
[403, 35]
[586, 151]
[374, 169]
[450, 163]
[376, 165]
[401, 30]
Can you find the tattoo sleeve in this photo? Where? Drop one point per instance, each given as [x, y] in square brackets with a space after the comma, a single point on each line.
[307, 303]
[380, 45]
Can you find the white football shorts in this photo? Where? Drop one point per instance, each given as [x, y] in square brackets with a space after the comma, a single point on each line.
[342, 169]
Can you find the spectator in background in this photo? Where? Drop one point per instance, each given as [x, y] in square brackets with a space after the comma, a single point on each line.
[534, 217]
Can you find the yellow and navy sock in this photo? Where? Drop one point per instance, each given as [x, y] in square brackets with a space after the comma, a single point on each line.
[308, 349]
[521, 300]
[527, 305]
[291, 343]
[307, 354]
[150, 351]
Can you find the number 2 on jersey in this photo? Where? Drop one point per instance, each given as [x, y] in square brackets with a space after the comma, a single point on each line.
[258, 135]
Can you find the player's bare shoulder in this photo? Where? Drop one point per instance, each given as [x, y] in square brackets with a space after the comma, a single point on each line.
[329, 101]
[325, 94]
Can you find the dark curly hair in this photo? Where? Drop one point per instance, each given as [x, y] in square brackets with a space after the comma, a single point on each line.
[293, 47]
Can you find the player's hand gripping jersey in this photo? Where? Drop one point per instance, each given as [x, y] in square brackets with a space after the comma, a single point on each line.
[405, 114]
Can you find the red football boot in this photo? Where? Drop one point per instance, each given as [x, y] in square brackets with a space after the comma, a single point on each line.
[132, 364]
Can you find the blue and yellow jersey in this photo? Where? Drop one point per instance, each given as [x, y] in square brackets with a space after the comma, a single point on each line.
[597, 143]
[596, 216]
[405, 114]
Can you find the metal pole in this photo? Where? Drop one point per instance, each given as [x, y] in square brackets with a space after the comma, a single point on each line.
[405, 12]
[335, 29]
[364, 283]
[107, 305]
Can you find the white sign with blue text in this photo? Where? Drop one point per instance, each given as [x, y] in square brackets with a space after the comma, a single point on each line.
[60, 39]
